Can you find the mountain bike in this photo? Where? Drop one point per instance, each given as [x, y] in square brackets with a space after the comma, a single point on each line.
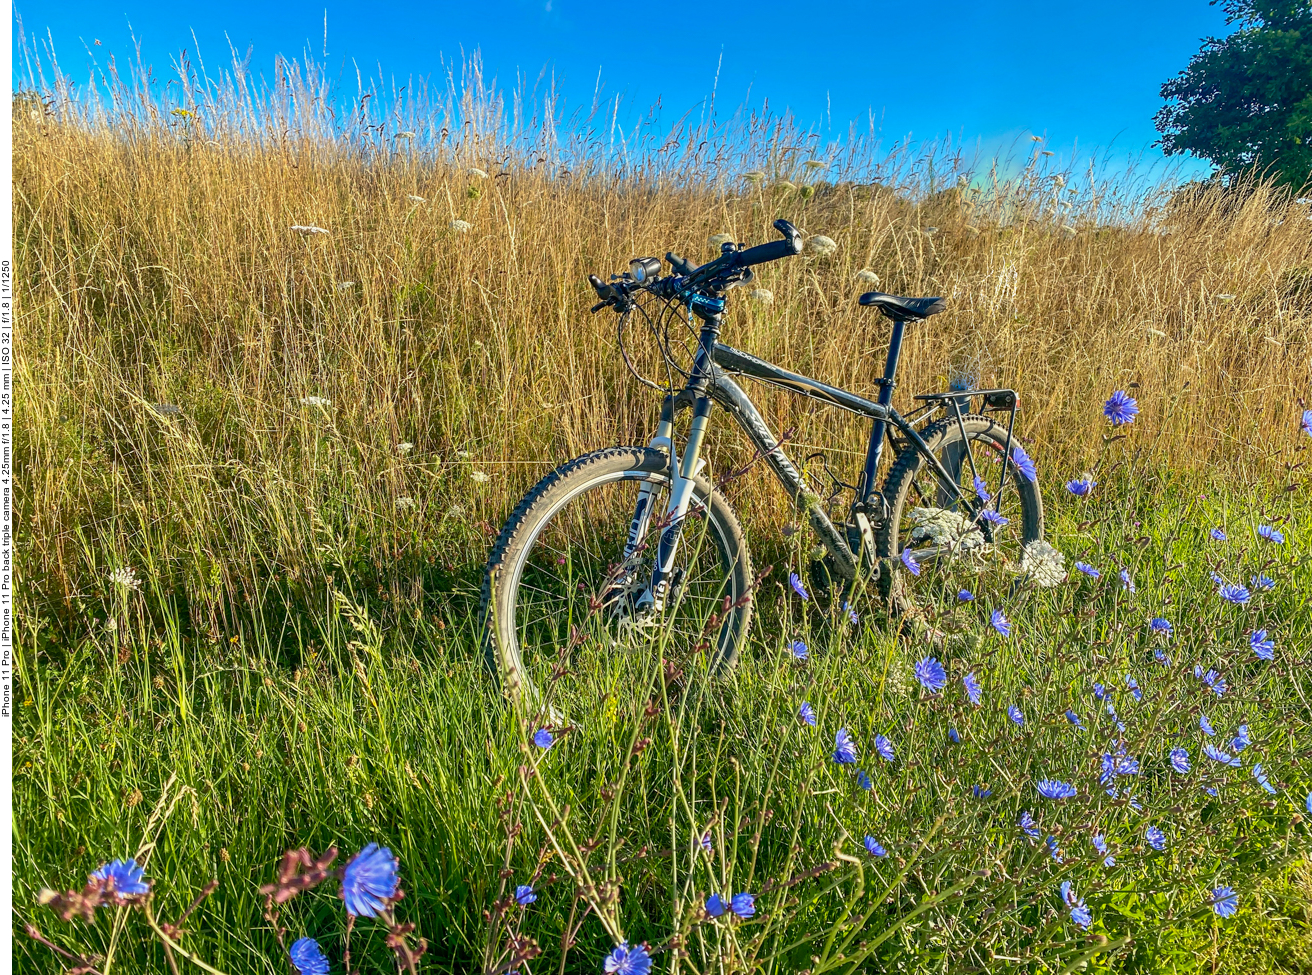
[630, 541]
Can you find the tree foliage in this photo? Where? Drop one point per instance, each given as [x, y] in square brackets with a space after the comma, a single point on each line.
[1246, 100]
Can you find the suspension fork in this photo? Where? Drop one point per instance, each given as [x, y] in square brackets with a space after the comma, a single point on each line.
[683, 472]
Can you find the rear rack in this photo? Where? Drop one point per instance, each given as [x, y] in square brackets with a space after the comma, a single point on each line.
[994, 399]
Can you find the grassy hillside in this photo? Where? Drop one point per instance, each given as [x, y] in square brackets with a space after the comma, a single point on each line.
[284, 436]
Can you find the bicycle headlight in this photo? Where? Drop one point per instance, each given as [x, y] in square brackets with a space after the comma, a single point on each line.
[644, 269]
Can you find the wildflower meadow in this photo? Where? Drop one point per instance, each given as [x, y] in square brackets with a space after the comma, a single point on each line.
[282, 378]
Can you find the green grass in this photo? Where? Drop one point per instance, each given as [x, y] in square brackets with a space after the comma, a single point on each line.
[351, 720]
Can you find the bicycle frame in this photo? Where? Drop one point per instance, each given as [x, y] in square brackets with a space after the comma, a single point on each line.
[709, 382]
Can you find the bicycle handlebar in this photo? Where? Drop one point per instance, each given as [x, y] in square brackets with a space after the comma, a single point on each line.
[688, 276]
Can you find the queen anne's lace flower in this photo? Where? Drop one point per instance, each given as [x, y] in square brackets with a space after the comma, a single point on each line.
[939, 526]
[1043, 565]
[821, 246]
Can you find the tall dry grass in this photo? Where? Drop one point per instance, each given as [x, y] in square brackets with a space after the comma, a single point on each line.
[156, 265]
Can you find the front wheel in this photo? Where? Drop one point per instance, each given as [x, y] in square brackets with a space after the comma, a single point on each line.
[559, 596]
[927, 524]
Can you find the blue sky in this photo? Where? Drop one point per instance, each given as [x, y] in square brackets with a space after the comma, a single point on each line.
[986, 73]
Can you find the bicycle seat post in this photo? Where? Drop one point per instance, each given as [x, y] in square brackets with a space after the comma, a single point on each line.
[876, 446]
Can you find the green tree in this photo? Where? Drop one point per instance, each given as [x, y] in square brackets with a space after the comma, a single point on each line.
[1246, 100]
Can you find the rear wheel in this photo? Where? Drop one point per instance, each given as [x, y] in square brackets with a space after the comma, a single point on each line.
[558, 595]
[931, 527]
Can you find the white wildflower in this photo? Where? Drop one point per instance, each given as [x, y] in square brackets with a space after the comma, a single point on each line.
[1225, 297]
[755, 176]
[476, 172]
[783, 184]
[461, 227]
[815, 164]
[403, 503]
[719, 240]
[125, 577]
[1059, 181]
[318, 401]
[404, 447]
[416, 199]
[478, 477]
[344, 286]
[166, 409]
[1043, 564]
[405, 135]
[456, 511]
[308, 230]
[867, 276]
[821, 246]
[763, 295]
[463, 454]
[939, 526]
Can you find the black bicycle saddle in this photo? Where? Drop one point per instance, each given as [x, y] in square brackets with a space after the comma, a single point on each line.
[903, 309]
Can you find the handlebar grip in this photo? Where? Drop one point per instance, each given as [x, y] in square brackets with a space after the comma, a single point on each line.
[773, 251]
[680, 265]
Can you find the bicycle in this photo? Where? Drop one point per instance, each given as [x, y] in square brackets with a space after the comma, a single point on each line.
[602, 537]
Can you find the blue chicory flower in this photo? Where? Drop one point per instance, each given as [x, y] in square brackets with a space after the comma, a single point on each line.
[1180, 760]
[1232, 592]
[1206, 725]
[1241, 739]
[627, 961]
[981, 489]
[1074, 719]
[1264, 648]
[1028, 824]
[1216, 755]
[796, 582]
[1013, 712]
[715, 905]
[953, 736]
[1262, 780]
[931, 675]
[369, 881]
[1000, 623]
[1160, 625]
[1155, 837]
[909, 560]
[807, 713]
[1225, 901]
[1024, 463]
[798, 649]
[125, 877]
[965, 595]
[844, 748]
[1055, 789]
[1261, 583]
[543, 738]
[884, 747]
[1100, 844]
[981, 792]
[1120, 408]
[307, 957]
[524, 895]
[1271, 534]
[873, 847]
[863, 780]
[1082, 487]
[1079, 911]
[995, 518]
[973, 688]
[1127, 582]
[1217, 535]
[744, 905]
[1088, 570]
